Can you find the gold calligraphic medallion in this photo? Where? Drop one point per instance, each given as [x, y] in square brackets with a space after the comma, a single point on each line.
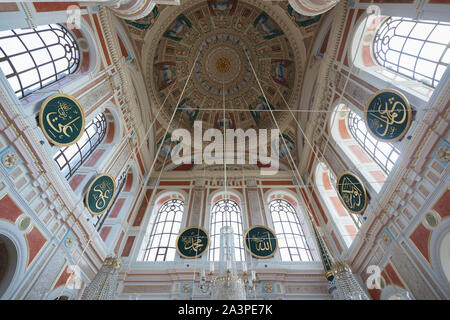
[261, 242]
[62, 120]
[192, 242]
[100, 194]
[388, 115]
[352, 193]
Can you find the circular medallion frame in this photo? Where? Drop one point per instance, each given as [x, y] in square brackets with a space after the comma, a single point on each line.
[89, 191]
[361, 211]
[199, 254]
[408, 112]
[248, 248]
[41, 115]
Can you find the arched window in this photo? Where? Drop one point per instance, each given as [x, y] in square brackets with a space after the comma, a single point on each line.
[70, 158]
[98, 221]
[161, 245]
[416, 49]
[347, 224]
[226, 212]
[384, 154]
[34, 58]
[291, 238]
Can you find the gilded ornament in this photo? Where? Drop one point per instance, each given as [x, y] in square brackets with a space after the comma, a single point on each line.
[10, 159]
[186, 287]
[443, 153]
[431, 220]
[268, 288]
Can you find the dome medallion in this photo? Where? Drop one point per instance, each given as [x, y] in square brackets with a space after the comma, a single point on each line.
[223, 36]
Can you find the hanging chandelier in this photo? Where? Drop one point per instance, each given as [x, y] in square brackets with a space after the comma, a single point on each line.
[227, 285]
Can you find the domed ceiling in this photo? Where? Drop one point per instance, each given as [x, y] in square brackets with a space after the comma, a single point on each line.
[221, 37]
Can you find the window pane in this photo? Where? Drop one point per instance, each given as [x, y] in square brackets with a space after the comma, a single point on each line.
[413, 48]
[226, 212]
[26, 49]
[165, 231]
[288, 230]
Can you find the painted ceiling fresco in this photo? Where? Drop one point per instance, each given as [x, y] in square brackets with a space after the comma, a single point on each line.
[223, 36]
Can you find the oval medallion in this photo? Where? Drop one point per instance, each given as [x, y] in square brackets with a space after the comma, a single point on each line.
[192, 242]
[352, 193]
[100, 194]
[62, 120]
[261, 242]
[388, 115]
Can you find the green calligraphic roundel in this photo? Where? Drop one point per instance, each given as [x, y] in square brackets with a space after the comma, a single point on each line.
[62, 119]
[192, 242]
[388, 115]
[261, 242]
[352, 193]
[100, 194]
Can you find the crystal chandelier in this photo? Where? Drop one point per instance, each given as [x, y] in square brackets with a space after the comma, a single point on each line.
[227, 285]
[347, 288]
[104, 284]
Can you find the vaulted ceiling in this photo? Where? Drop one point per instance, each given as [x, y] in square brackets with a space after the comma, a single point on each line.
[229, 41]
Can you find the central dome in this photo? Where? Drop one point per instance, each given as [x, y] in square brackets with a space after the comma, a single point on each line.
[223, 65]
[221, 38]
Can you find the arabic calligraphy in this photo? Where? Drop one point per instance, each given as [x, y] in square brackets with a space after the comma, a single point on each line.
[192, 242]
[352, 193]
[62, 119]
[388, 115]
[261, 242]
[103, 190]
[100, 194]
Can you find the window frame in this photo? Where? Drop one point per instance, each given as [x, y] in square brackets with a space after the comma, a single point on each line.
[100, 132]
[381, 48]
[162, 250]
[215, 226]
[359, 132]
[70, 47]
[296, 249]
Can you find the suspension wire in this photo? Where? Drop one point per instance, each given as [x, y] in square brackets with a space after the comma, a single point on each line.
[199, 224]
[151, 169]
[293, 166]
[172, 86]
[296, 169]
[111, 166]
